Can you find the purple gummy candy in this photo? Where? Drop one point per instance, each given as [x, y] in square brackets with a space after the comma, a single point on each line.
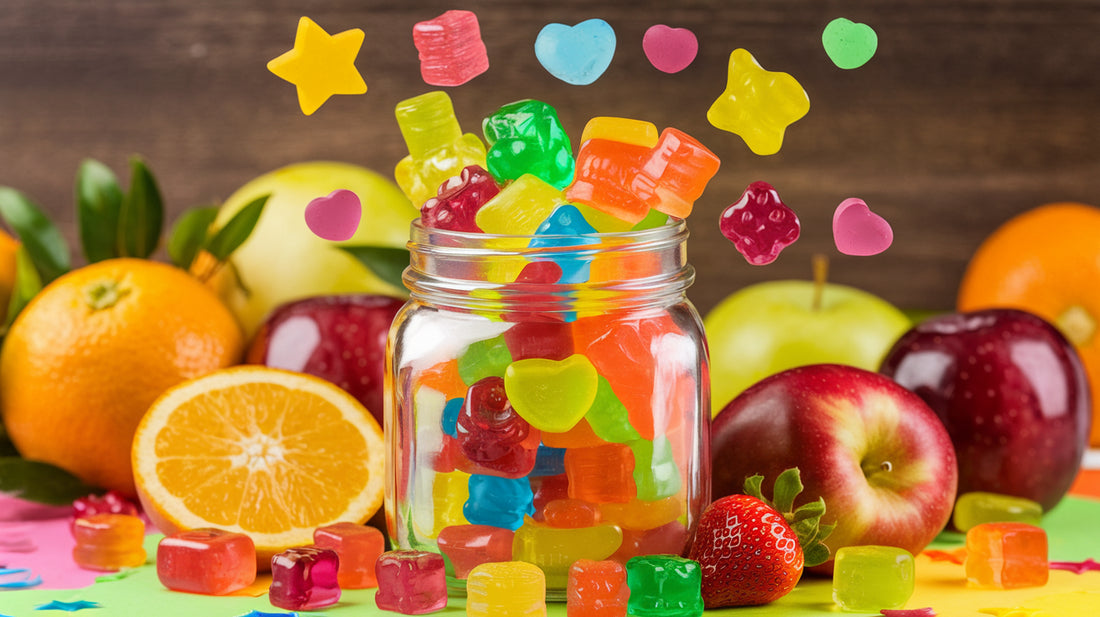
[411, 582]
[492, 435]
[760, 225]
[451, 49]
[455, 206]
[304, 578]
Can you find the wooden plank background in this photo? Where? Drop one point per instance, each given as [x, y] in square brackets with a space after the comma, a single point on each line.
[970, 112]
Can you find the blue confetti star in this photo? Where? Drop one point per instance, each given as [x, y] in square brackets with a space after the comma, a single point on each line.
[28, 579]
[259, 614]
[68, 607]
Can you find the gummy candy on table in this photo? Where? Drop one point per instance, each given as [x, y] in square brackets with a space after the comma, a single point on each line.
[567, 228]
[450, 47]
[570, 513]
[484, 358]
[451, 411]
[605, 171]
[546, 489]
[553, 395]
[506, 589]
[758, 105]
[623, 130]
[520, 207]
[551, 340]
[468, 546]
[437, 147]
[358, 547]
[580, 436]
[111, 502]
[642, 515]
[500, 502]
[871, 578]
[548, 462]
[608, 416]
[304, 578]
[1006, 556]
[554, 549]
[665, 586]
[526, 137]
[456, 204]
[759, 224]
[975, 508]
[596, 589]
[438, 501]
[602, 474]
[411, 582]
[109, 542]
[670, 539]
[656, 474]
[493, 438]
[206, 561]
[675, 173]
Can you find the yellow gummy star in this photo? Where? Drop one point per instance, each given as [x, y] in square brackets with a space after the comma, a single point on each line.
[321, 65]
[757, 104]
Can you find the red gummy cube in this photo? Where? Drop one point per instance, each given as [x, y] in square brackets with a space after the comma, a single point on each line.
[469, 546]
[358, 547]
[207, 561]
[304, 578]
[451, 50]
[411, 582]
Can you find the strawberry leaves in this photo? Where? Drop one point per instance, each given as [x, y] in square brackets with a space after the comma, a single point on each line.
[805, 521]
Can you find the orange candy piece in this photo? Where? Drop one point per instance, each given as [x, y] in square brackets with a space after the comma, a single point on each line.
[601, 474]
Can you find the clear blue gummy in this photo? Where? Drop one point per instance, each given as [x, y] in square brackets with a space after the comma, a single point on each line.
[566, 227]
[500, 502]
[548, 462]
[450, 416]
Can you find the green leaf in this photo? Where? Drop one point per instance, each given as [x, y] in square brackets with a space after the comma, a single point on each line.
[40, 482]
[815, 555]
[387, 263]
[787, 486]
[811, 510]
[27, 284]
[237, 229]
[753, 485]
[7, 448]
[189, 234]
[44, 243]
[142, 214]
[98, 204]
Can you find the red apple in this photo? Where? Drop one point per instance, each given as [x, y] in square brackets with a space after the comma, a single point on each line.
[873, 450]
[338, 338]
[1012, 392]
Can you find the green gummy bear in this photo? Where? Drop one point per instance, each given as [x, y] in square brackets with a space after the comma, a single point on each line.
[485, 358]
[526, 137]
[664, 586]
[608, 416]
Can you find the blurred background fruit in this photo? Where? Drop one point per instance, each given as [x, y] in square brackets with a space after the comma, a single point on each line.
[90, 353]
[8, 248]
[258, 450]
[1046, 261]
[283, 260]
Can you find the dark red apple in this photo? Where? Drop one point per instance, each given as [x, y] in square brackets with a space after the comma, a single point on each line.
[1012, 393]
[338, 338]
[873, 450]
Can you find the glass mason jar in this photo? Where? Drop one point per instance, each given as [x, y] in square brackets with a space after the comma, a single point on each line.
[546, 401]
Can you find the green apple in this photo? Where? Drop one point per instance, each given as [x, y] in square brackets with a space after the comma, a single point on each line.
[769, 327]
[283, 260]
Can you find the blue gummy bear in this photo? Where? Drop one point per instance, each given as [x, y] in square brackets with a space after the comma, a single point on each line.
[566, 227]
[500, 502]
[548, 462]
[577, 54]
[450, 416]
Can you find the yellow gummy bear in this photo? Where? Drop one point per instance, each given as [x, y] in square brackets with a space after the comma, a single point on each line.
[438, 149]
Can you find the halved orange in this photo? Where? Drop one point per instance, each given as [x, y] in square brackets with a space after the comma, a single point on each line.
[262, 451]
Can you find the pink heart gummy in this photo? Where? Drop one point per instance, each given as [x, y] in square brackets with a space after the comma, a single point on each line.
[670, 50]
[335, 217]
[858, 231]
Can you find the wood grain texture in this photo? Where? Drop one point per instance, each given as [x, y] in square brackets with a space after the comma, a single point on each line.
[970, 112]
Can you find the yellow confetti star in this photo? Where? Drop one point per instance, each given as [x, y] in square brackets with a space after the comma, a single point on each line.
[321, 65]
[1017, 611]
[757, 104]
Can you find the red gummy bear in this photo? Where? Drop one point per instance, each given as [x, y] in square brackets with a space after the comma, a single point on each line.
[492, 436]
[760, 225]
[455, 206]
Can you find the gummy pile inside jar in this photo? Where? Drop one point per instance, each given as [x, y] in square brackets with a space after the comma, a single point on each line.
[548, 438]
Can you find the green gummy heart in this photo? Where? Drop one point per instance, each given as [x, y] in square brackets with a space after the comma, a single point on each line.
[551, 395]
[849, 44]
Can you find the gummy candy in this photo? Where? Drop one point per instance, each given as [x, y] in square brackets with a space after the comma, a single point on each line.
[577, 54]
[108, 542]
[506, 589]
[871, 578]
[492, 436]
[570, 513]
[334, 217]
[608, 417]
[758, 105]
[975, 508]
[304, 578]
[320, 65]
[552, 395]
[451, 410]
[451, 50]
[411, 582]
[520, 207]
[358, 547]
[580, 436]
[655, 473]
[665, 586]
[468, 546]
[669, 539]
[675, 173]
[759, 224]
[1006, 556]
[603, 474]
[548, 462]
[547, 489]
[437, 147]
[456, 204]
[641, 515]
[446, 492]
[848, 44]
[526, 137]
[858, 231]
[500, 502]
[566, 227]
[550, 339]
[669, 50]
[484, 358]
[605, 169]
[596, 589]
[622, 130]
[206, 561]
[111, 502]
[554, 550]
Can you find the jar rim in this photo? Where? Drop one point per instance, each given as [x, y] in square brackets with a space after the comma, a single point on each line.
[418, 230]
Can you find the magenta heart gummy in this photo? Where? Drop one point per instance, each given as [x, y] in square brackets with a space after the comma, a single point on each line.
[858, 231]
[455, 206]
[760, 225]
[336, 216]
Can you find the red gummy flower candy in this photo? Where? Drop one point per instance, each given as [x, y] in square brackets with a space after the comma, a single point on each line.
[760, 225]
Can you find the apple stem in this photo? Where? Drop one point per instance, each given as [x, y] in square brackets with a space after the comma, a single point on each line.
[820, 264]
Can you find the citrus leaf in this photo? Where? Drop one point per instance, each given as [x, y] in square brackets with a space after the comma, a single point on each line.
[40, 482]
[27, 284]
[7, 448]
[98, 202]
[237, 229]
[45, 244]
[142, 214]
[387, 263]
[188, 235]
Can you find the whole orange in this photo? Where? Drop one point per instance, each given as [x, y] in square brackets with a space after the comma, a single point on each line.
[1046, 261]
[90, 353]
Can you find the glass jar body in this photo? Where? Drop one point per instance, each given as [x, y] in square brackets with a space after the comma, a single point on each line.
[533, 420]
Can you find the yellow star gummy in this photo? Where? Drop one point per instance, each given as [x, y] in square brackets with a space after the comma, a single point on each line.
[758, 104]
[320, 64]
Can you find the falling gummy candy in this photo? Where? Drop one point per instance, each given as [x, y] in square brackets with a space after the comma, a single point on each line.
[451, 50]
[759, 224]
[848, 44]
[320, 64]
[858, 231]
[577, 54]
[758, 105]
[670, 50]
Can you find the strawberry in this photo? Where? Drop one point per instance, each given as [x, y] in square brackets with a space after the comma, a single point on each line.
[753, 551]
